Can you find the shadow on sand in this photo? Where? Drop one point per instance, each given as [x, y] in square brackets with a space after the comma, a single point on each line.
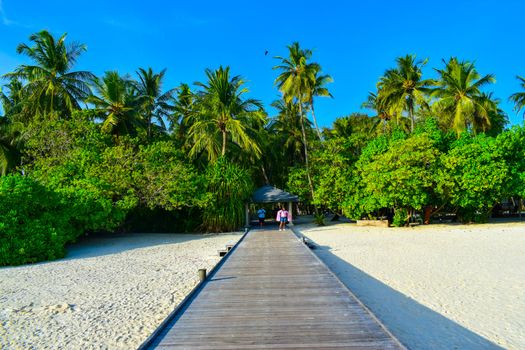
[415, 325]
[106, 244]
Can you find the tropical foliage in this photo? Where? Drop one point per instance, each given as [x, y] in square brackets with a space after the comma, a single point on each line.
[223, 116]
[403, 89]
[519, 97]
[117, 105]
[229, 188]
[53, 89]
[120, 152]
[31, 230]
[460, 100]
[299, 82]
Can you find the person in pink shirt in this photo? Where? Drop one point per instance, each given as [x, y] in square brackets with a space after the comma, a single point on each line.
[283, 216]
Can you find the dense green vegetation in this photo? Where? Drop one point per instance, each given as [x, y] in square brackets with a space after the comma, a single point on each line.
[81, 153]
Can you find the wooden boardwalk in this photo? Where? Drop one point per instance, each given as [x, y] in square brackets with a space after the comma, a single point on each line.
[273, 293]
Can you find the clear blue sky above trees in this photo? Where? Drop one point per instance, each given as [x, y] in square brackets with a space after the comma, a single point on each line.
[353, 41]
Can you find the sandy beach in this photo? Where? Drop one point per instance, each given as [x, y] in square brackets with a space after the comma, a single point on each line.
[108, 293]
[438, 286]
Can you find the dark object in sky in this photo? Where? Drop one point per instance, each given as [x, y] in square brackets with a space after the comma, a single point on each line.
[265, 52]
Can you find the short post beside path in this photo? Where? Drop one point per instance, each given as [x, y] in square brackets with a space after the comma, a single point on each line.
[273, 293]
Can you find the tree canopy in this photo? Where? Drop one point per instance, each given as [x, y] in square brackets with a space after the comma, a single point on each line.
[124, 152]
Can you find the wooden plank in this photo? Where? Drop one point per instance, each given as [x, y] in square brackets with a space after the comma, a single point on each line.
[272, 292]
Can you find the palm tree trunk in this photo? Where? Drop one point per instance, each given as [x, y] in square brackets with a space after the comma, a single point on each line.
[315, 121]
[223, 142]
[266, 180]
[411, 116]
[51, 107]
[310, 184]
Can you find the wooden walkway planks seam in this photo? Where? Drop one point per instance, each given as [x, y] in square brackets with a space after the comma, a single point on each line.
[273, 292]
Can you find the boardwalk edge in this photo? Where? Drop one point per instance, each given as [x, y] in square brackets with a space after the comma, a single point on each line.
[299, 235]
[191, 295]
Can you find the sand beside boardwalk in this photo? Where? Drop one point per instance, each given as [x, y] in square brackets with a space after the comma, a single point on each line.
[437, 286]
[108, 293]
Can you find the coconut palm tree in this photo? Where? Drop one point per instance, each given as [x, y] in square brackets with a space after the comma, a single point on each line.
[294, 82]
[459, 96]
[183, 112]
[116, 105]
[384, 113]
[11, 139]
[519, 97]
[13, 100]
[287, 127]
[283, 142]
[52, 88]
[318, 88]
[403, 89]
[223, 115]
[155, 104]
[497, 117]
[355, 123]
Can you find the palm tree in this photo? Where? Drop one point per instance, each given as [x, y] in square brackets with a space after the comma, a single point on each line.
[458, 91]
[11, 139]
[377, 104]
[13, 100]
[116, 104]
[183, 112]
[497, 117]
[223, 115]
[318, 88]
[295, 82]
[52, 87]
[519, 97]
[155, 104]
[403, 88]
[287, 126]
[355, 123]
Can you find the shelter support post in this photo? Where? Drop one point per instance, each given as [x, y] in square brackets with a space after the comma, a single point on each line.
[247, 214]
[291, 213]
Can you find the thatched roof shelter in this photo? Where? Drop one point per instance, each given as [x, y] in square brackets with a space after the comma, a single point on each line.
[270, 194]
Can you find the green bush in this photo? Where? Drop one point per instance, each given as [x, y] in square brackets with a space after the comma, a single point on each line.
[400, 218]
[229, 186]
[319, 219]
[35, 224]
[474, 176]
[393, 173]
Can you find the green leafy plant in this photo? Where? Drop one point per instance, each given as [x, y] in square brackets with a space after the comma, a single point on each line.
[35, 224]
[319, 219]
[400, 218]
[229, 186]
[473, 176]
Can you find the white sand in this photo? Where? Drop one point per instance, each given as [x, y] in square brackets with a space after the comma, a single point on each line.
[438, 286]
[108, 293]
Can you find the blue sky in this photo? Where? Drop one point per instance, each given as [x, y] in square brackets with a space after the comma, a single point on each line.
[354, 41]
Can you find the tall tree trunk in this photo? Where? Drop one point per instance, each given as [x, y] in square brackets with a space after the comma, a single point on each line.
[310, 184]
[51, 107]
[266, 180]
[223, 142]
[149, 127]
[411, 116]
[315, 121]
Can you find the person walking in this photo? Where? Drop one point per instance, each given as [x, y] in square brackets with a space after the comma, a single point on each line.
[261, 214]
[283, 217]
